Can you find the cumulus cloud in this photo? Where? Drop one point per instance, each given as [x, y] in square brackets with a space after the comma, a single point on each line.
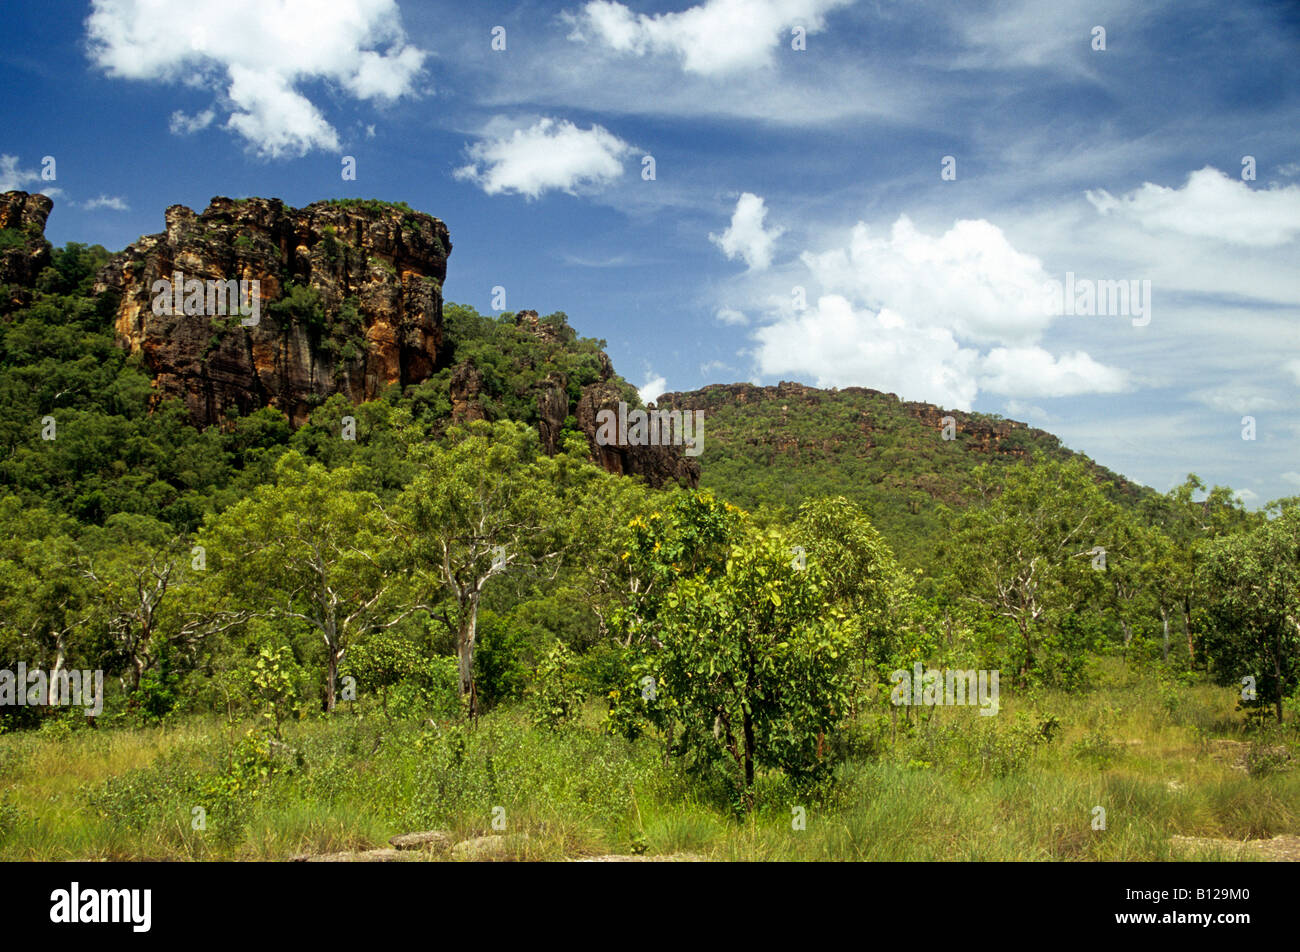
[1211, 205]
[835, 344]
[653, 388]
[715, 37]
[729, 315]
[1293, 368]
[548, 155]
[1033, 372]
[746, 237]
[914, 314]
[969, 279]
[255, 54]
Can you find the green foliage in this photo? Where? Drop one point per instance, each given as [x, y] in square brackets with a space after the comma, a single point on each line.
[1251, 583]
[274, 684]
[747, 662]
[556, 693]
[372, 205]
[1027, 551]
[878, 452]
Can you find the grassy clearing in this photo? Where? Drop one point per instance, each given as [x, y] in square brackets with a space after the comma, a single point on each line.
[1162, 760]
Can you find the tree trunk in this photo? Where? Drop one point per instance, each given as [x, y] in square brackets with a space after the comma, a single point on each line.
[465, 638]
[1164, 621]
[1277, 680]
[747, 723]
[1187, 629]
[58, 666]
[331, 678]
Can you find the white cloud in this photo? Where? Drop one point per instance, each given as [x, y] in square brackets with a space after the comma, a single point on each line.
[653, 388]
[183, 125]
[1211, 205]
[1292, 477]
[1293, 368]
[1236, 398]
[834, 344]
[1033, 372]
[715, 37]
[548, 155]
[729, 315]
[969, 279]
[746, 237]
[912, 313]
[256, 53]
[115, 202]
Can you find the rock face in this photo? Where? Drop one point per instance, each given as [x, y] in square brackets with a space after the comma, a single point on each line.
[23, 248]
[466, 394]
[350, 302]
[658, 465]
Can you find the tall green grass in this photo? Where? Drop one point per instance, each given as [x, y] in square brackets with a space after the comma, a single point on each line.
[940, 784]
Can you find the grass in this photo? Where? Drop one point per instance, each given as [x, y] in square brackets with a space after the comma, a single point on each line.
[953, 786]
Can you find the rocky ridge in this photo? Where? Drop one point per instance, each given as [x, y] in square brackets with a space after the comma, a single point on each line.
[350, 302]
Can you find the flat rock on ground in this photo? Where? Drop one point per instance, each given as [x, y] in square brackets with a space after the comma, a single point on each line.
[1282, 848]
[438, 840]
[351, 856]
[487, 847]
[642, 858]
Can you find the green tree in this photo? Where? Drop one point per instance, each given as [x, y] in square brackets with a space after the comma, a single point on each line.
[312, 548]
[479, 506]
[1250, 585]
[1191, 523]
[44, 603]
[751, 662]
[1025, 552]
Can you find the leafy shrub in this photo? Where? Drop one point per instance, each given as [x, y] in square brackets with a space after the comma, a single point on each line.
[556, 692]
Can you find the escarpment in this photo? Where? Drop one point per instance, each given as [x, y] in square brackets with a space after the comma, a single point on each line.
[348, 300]
[252, 304]
[24, 252]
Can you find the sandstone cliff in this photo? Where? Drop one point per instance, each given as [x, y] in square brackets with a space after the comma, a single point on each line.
[658, 465]
[23, 248]
[351, 301]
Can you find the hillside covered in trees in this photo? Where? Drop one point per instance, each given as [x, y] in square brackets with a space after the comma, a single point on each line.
[375, 515]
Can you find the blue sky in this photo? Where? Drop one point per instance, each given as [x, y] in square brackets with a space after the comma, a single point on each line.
[798, 225]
